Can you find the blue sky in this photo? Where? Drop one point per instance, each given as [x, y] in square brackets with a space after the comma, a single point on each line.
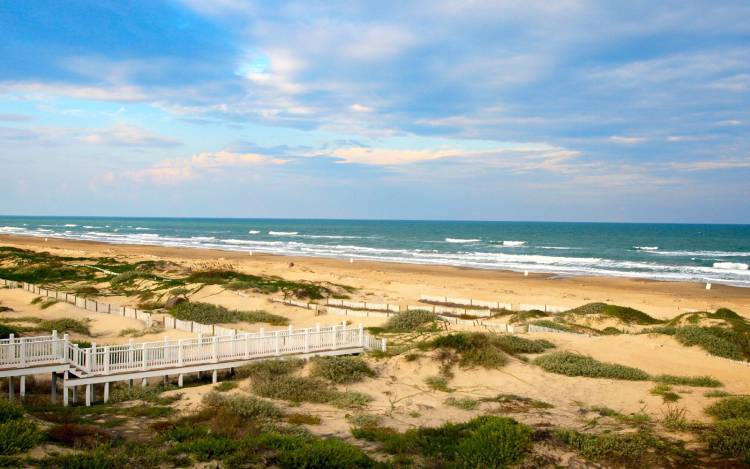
[494, 110]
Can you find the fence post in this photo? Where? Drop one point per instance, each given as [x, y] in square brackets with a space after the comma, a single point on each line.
[276, 337]
[384, 341]
[88, 359]
[247, 345]
[179, 352]
[333, 328]
[216, 348]
[143, 358]
[361, 335]
[307, 340]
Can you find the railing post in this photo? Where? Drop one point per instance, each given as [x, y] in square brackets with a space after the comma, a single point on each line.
[276, 338]
[144, 365]
[361, 335]
[307, 340]
[88, 359]
[22, 341]
[106, 360]
[247, 345]
[179, 352]
[130, 354]
[335, 345]
[64, 346]
[216, 348]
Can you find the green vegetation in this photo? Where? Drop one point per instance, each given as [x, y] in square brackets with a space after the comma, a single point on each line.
[695, 381]
[665, 391]
[438, 383]
[17, 434]
[206, 313]
[6, 331]
[525, 316]
[152, 394]
[222, 275]
[78, 436]
[65, 325]
[716, 393]
[342, 369]
[464, 403]
[225, 386]
[412, 320]
[554, 325]
[629, 449]
[243, 406]
[274, 379]
[486, 441]
[573, 364]
[621, 313]
[674, 419]
[716, 341]
[730, 438]
[733, 407]
[513, 403]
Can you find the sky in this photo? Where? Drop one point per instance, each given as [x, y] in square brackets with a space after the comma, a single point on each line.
[571, 110]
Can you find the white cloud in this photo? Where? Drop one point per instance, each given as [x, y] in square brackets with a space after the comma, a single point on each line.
[185, 169]
[123, 134]
[627, 140]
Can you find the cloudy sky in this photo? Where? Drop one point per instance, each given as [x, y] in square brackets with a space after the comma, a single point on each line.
[490, 110]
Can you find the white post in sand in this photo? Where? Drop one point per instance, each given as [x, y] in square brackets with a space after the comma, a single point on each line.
[708, 286]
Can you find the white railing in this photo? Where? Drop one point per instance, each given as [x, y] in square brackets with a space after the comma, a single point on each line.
[111, 359]
[363, 305]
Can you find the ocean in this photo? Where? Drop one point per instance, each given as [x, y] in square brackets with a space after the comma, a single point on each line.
[699, 253]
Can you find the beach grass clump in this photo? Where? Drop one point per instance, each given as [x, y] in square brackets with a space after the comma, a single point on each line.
[630, 449]
[674, 419]
[207, 313]
[513, 403]
[474, 349]
[225, 386]
[486, 441]
[6, 331]
[526, 316]
[717, 341]
[730, 438]
[623, 314]
[17, 433]
[411, 320]
[342, 369]
[78, 435]
[243, 406]
[665, 391]
[694, 381]
[226, 276]
[274, 379]
[64, 325]
[573, 364]
[556, 325]
[322, 453]
[732, 407]
[465, 403]
[438, 383]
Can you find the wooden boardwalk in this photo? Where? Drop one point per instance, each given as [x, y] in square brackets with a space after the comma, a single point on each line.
[25, 356]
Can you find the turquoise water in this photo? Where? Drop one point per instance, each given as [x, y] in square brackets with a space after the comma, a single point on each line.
[716, 253]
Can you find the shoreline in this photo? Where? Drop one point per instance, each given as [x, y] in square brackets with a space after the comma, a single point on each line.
[404, 283]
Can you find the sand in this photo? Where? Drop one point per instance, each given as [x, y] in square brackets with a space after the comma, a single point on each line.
[401, 397]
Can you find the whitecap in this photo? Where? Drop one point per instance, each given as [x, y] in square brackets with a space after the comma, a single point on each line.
[646, 248]
[253, 232]
[513, 244]
[69, 225]
[731, 265]
[283, 233]
[460, 240]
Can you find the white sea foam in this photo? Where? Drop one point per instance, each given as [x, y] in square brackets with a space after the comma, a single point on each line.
[513, 244]
[69, 225]
[283, 233]
[731, 265]
[254, 232]
[203, 238]
[461, 240]
[141, 228]
[646, 248]
[703, 253]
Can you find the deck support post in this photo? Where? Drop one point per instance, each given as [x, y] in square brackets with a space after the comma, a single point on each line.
[74, 393]
[144, 382]
[214, 377]
[106, 392]
[53, 390]
[10, 388]
[88, 394]
[179, 380]
[22, 387]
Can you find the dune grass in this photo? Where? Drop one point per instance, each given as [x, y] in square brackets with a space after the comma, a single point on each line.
[207, 313]
[732, 407]
[622, 313]
[573, 364]
[342, 369]
[412, 320]
[239, 281]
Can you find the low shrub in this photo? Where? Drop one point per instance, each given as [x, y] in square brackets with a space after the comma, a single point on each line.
[225, 386]
[573, 364]
[695, 381]
[244, 406]
[342, 369]
[411, 320]
[558, 326]
[474, 348]
[716, 393]
[621, 313]
[207, 313]
[731, 438]
[438, 383]
[733, 407]
[9, 411]
[303, 419]
[498, 442]
[515, 403]
[6, 331]
[674, 419]
[65, 325]
[715, 340]
[303, 389]
[324, 453]
[269, 368]
[137, 393]
[630, 449]
[17, 436]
